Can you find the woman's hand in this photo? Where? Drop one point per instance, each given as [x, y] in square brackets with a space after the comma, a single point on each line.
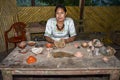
[49, 39]
[60, 43]
[70, 39]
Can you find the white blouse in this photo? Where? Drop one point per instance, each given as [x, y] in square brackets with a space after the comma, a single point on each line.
[52, 31]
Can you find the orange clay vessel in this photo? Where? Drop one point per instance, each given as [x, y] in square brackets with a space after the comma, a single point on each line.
[49, 45]
[31, 59]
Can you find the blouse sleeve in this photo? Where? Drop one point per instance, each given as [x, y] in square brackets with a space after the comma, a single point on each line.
[48, 30]
[72, 30]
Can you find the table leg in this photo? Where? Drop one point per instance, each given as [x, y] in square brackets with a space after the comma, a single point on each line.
[115, 75]
[7, 75]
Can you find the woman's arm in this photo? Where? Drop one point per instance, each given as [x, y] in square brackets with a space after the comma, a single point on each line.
[49, 39]
[70, 39]
[72, 31]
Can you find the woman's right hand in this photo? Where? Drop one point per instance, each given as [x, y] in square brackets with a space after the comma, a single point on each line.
[60, 43]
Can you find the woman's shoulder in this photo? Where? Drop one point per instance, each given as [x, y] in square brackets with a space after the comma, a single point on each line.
[68, 19]
[52, 19]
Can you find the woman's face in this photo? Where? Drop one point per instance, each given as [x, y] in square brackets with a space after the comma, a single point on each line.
[60, 14]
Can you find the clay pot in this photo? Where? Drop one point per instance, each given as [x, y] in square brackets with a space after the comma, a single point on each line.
[90, 43]
[107, 51]
[111, 51]
[97, 43]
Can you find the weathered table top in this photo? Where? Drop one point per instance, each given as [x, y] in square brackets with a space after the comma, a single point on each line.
[45, 61]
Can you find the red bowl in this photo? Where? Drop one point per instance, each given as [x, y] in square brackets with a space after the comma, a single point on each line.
[49, 45]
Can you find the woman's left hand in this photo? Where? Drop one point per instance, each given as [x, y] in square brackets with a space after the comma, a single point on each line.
[60, 43]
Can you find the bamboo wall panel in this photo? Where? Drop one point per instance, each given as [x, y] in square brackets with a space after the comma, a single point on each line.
[8, 7]
[8, 15]
[5, 23]
[105, 19]
[36, 14]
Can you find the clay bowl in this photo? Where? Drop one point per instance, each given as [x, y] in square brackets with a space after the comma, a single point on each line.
[31, 59]
[31, 43]
[84, 44]
[22, 45]
[49, 45]
[59, 44]
[37, 50]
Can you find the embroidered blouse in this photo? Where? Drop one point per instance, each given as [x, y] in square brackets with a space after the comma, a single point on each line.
[52, 31]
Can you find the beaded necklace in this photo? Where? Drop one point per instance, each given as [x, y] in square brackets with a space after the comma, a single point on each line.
[60, 29]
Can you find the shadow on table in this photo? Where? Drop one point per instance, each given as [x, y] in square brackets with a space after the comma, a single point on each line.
[1, 76]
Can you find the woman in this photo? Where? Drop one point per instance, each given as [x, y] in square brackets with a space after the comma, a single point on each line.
[60, 27]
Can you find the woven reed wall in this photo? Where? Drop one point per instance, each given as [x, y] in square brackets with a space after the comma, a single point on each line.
[8, 15]
[95, 18]
[37, 14]
[102, 19]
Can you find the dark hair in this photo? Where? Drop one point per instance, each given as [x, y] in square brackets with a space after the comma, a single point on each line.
[60, 6]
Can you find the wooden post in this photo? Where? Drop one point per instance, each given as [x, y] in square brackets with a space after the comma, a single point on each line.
[82, 3]
[115, 75]
[33, 2]
[7, 75]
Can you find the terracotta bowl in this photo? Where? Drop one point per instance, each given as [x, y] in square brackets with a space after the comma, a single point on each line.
[31, 43]
[49, 45]
[31, 59]
[84, 44]
[22, 45]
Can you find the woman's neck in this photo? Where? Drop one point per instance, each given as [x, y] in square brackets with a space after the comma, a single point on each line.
[60, 22]
[60, 25]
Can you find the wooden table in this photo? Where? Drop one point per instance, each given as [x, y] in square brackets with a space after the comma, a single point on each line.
[15, 63]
